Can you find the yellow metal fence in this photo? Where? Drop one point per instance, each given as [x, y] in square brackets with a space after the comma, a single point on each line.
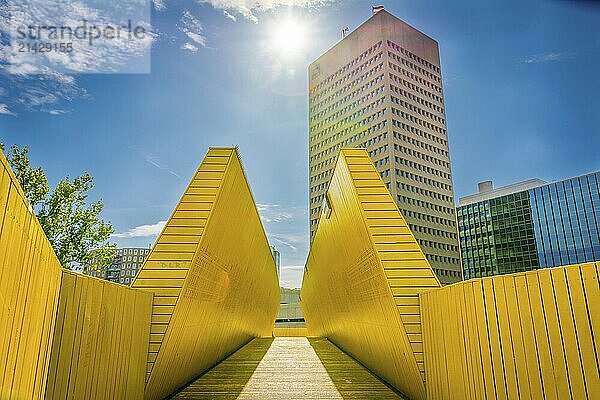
[527, 335]
[62, 334]
[100, 342]
[29, 287]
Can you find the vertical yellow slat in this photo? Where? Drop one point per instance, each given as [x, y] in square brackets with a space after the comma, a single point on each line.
[62, 347]
[591, 284]
[465, 335]
[126, 342]
[568, 334]
[583, 332]
[554, 335]
[89, 338]
[37, 316]
[115, 357]
[494, 338]
[484, 339]
[81, 290]
[97, 327]
[515, 332]
[428, 348]
[104, 340]
[10, 284]
[474, 346]
[49, 294]
[25, 314]
[529, 346]
[446, 355]
[542, 337]
[458, 343]
[80, 365]
[504, 328]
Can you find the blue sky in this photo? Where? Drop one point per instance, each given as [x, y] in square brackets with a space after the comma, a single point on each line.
[521, 89]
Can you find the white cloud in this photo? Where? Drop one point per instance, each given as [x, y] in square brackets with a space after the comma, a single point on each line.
[291, 276]
[189, 47]
[142, 231]
[36, 81]
[193, 29]
[104, 54]
[153, 160]
[56, 112]
[290, 240]
[544, 58]
[159, 5]
[283, 242]
[275, 213]
[4, 110]
[249, 8]
[230, 16]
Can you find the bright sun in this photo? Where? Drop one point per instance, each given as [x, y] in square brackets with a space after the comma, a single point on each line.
[288, 37]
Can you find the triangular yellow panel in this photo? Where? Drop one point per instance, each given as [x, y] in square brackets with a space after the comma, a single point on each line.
[212, 274]
[407, 270]
[363, 276]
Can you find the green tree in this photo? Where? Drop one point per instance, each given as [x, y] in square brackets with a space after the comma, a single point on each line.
[72, 225]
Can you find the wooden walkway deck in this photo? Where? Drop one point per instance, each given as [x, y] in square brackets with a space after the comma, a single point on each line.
[290, 369]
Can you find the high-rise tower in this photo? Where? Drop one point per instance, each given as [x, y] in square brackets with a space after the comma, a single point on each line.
[380, 88]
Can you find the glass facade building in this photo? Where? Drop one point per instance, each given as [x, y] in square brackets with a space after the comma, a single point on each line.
[546, 226]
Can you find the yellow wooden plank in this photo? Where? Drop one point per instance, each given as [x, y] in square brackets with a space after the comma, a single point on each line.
[64, 344]
[474, 353]
[540, 330]
[531, 369]
[513, 296]
[589, 273]
[553, 330]
[583, 332]
[484, 333]
[567, 332]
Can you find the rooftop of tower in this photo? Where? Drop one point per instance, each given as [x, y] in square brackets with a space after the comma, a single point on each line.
[376, 28]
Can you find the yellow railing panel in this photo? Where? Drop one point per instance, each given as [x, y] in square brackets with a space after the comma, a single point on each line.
[527, 335]
[29, 288]
[61, 332]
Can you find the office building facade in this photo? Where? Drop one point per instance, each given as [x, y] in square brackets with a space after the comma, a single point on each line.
[380, 88]
[277, 259]
[124, 267]
[530, 225]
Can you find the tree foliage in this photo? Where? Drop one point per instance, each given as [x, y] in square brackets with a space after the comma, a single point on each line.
[72, 225]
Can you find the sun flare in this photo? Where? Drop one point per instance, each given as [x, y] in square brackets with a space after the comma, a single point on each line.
[288, 37]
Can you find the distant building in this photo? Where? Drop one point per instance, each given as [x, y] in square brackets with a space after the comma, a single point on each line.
[290, 314]
[380, 88]
[277, 258]
[530, 225]
[126, 264]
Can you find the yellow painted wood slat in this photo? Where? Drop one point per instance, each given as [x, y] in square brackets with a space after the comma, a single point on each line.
[530, 368]
[589, 274]
[542, 340]
[506, 354]
[568, 334]
[554, 333]
[525, 335]
[584, 334]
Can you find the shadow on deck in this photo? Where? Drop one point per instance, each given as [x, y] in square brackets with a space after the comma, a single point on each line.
[288, 368]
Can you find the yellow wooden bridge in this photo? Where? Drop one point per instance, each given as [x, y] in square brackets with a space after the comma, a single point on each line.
[197, 321]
